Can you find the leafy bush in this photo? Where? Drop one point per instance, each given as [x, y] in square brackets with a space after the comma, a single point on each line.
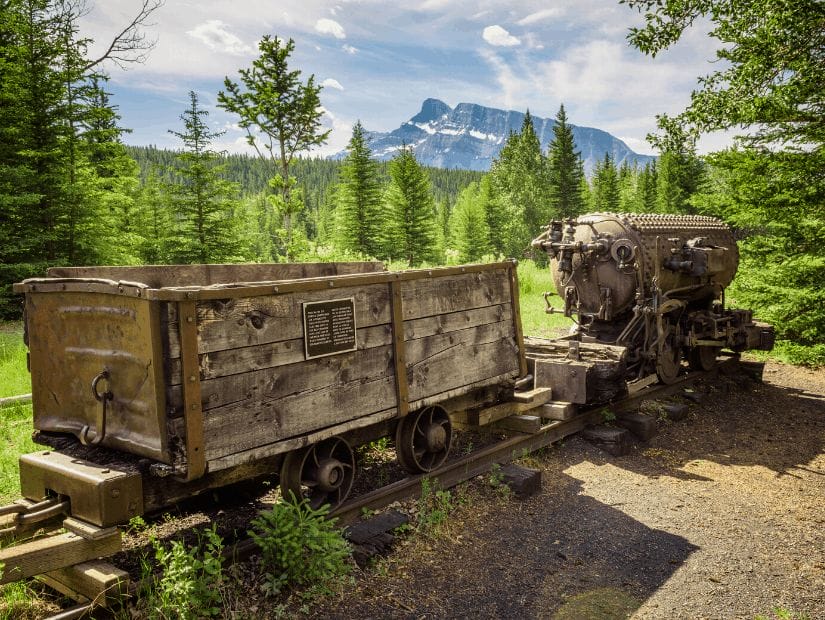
[299, 545]
[189, 584]
[434, 506]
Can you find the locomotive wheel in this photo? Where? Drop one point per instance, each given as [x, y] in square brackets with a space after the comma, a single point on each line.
[703, 358]
[668, 361]
[322, 473]
[422, 439]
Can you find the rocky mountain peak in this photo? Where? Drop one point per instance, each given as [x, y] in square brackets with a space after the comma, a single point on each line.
[431, 110]
[470, 136]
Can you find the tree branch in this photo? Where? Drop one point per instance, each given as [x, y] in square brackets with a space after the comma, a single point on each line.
[130, 44]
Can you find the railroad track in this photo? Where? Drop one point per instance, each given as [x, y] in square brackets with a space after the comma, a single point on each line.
[455, 472]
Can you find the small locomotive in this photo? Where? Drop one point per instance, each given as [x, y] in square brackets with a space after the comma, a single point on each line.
[654, 284]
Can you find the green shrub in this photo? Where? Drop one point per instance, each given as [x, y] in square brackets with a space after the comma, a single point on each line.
[434, 506]
[189, 585]
[299, 546]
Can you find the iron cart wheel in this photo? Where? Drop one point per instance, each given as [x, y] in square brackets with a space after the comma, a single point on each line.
[703, 358]
[422, 439]
[322, 473]
[668, 361]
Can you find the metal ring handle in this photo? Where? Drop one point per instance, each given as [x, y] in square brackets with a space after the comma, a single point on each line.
[108, 393]
[103, 398]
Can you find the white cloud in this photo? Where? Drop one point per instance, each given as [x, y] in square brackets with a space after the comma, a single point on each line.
[332, 83]
[498, 36]
[340, 135]
[349, 49]
[214, 34]
[540, 16]
[331, 27]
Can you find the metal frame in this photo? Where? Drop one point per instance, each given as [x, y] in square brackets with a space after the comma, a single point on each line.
[399, 350]
[191, 384]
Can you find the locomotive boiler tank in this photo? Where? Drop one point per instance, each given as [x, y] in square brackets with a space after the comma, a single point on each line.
[603, 262]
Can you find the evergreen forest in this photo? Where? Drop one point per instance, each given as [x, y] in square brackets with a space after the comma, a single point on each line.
[73, 193]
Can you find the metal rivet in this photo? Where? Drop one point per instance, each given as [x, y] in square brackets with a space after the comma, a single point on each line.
[190, 319]
[192, 379]
[115, 493]
[193, 406]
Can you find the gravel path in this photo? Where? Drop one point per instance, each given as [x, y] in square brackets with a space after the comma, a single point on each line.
[721, 515]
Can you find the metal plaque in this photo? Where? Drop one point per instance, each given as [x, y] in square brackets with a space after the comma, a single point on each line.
[329, 327]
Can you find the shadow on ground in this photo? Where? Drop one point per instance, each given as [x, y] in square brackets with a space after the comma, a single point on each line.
[577, 558]
[737, 421]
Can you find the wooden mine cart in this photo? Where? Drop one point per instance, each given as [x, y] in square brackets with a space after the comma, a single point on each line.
[206, 368]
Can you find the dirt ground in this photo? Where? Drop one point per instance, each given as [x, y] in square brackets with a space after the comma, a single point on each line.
[721, 515]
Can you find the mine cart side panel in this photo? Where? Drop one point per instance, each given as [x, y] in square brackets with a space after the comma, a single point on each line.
[75, 336]
[260, 394]
[459, 331]
[258, 387]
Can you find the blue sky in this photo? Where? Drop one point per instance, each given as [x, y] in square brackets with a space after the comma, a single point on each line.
[379, 60]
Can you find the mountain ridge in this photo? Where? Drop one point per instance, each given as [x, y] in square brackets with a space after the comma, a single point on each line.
[469, 136]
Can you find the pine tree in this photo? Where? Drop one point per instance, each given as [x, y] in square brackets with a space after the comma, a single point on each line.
[50, 207]
[410, 230]
[566, 170]
[469, 232]
[286, 113]
[154, 221]
[521, 190]
[117, 185]
[646, 188]
[202, 201]
[627, 181]
[679, 176]
[605, 194]
[358, 211]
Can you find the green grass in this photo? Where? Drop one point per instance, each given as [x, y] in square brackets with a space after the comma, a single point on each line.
[534, 281]
[15, 439]
[14, 378]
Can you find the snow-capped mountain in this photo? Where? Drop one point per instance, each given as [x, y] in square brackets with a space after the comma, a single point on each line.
[469, 136]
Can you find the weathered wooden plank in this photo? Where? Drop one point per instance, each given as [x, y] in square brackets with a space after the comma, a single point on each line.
[520, 423]
[261, 451]
[54, 552]
[247, 359]
[558, 410]
[468, 396]
[157, 276]
[446, 361]
[455, 321]
[488, 415]
[269, 384]
[534, 397]
[97, 581]
[247, 321]
[432, 296]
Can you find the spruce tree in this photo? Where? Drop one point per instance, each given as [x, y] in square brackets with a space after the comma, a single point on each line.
[521, 190]
[358, 210]
[566, 169]
[410, 232]
[202, 201]
[646, 188]
[605, 193]
[117, 184]
[469, 232]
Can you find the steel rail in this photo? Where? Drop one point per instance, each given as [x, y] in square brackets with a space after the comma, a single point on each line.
[460, 470]
[512, 448]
